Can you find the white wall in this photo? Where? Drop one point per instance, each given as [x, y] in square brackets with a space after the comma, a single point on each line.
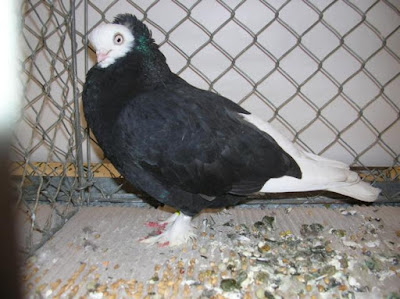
[318, 111]
[9, 84]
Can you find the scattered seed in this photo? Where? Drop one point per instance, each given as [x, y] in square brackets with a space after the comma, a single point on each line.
[40, 288]
[348, 213]
[259, 225]
[269, 222]
[311, 230]
[285, 233]
[260, 293]
[263, 261]
[393, 295]
[221, 267]
[90, 286]
[262, 277]
[229, 223]
[263, 247]
[54, 285]
[241, 277]
[342, 288]
[328, 270]
[228, 285]
[268, 295]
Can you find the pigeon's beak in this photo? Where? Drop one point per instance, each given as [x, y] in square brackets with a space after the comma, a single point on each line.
[101, 55]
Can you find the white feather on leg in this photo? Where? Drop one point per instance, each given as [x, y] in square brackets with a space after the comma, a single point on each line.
[178, 231]
[318, 173]
[170, 219]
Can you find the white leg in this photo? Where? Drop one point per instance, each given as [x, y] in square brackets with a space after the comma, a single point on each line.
[176, 233]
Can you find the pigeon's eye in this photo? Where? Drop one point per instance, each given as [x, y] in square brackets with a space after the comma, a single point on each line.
[118, 39]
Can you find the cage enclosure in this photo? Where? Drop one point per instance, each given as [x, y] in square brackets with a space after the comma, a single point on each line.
[325, 73]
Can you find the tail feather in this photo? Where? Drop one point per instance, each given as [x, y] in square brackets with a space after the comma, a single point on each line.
[318, 173]
[317, 176]
[361, 191]
[325, 161]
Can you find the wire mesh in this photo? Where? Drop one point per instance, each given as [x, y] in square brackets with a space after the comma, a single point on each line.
[47, 123]
[325, 72]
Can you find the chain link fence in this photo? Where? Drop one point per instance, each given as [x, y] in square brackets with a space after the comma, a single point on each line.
[324, 72]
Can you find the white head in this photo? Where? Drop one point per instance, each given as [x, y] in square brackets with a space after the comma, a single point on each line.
[111, 41]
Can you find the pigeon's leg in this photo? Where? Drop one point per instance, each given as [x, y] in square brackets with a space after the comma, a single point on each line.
[176, 233]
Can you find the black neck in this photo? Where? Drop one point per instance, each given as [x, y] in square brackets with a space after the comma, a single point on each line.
[142, 70]
[110, 88]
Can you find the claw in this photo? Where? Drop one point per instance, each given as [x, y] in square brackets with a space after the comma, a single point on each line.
[160, 225]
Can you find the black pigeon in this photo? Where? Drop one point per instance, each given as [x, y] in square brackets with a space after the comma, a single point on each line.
[186, 147]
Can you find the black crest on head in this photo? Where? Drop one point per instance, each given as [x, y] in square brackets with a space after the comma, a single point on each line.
[138, 28]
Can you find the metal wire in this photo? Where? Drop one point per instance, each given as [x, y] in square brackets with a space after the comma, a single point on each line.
[54, 37]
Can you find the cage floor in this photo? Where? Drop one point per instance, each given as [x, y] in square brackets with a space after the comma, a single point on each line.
[298, 252]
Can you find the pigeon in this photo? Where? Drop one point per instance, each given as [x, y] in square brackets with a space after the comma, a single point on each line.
[189, 148]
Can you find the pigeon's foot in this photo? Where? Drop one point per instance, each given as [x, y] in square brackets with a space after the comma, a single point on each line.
[175, 231]
[162, 225]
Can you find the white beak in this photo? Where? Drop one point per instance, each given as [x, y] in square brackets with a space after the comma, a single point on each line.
[102, 55]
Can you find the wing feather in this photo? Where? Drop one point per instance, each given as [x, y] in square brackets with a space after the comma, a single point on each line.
[198, 141]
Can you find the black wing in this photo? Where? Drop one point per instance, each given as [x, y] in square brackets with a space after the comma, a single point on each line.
[197, 141]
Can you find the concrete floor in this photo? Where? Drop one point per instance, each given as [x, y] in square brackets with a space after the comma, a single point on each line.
[298, 252]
